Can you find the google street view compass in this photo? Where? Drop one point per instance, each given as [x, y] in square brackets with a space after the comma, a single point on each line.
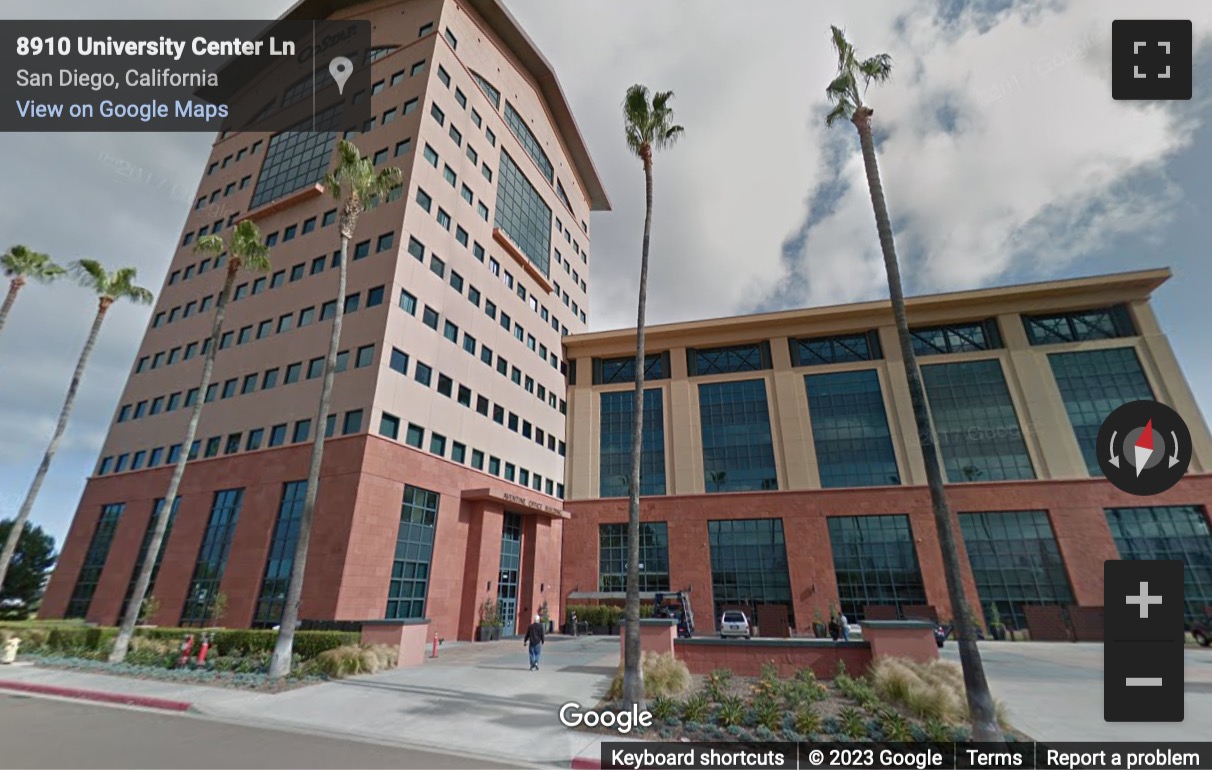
[1144, 448]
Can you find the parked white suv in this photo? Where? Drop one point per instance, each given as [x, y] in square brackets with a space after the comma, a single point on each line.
[734, 623]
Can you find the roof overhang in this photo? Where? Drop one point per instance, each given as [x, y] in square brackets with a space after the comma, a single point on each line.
[1066, 294]
[514, 501]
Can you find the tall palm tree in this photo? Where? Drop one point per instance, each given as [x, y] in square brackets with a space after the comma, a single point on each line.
[20, 263]
[356, 185]
[648, 124]
[847, 97]
[110, 288]
[245, 250]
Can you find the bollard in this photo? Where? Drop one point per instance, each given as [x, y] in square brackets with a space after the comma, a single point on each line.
[435, 645]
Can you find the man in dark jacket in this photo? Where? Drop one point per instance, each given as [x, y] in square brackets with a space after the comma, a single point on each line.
[534, 638]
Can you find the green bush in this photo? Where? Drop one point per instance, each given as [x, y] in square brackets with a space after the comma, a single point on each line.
[664, 676]
[81, 638]
[354, 659]
[731, 712]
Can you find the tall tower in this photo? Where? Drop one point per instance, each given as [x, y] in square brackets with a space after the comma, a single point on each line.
[443, 472]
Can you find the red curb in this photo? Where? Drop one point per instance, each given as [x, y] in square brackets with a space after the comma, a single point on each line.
[585, 763]
[96, 695]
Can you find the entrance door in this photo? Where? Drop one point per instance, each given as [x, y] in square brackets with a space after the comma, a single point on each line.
[511, 563]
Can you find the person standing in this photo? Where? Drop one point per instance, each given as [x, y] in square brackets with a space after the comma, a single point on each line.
[844, 623]
[534, 639]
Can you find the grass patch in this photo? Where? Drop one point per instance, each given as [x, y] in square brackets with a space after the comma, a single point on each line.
[354, 660]
[932, 692]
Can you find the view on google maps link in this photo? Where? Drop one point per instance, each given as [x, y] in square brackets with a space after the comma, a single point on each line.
[512, 384]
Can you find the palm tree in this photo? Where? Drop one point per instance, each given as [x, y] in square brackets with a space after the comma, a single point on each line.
[356, 185]
[245, 249]
[19, 263]
[110, 287]
[846, 95]
[649, 126]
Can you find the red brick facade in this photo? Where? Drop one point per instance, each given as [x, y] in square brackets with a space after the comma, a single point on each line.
[1076, 510]
[353, 540]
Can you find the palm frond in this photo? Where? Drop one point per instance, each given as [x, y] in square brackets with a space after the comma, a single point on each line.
[209, 244]
[23, 261]
[356, 179]
[842, 111]
[122, 286]
[90, 273]
[843, 91]
[877, 69]
[249, 247]
[842, 47]
[649, 126]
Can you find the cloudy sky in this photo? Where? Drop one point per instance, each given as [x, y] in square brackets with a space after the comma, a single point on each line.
[1004, 160]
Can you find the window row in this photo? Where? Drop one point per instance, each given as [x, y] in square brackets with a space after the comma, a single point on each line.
[258, 331]
[413, 435]
[232, 443]
[401, 363]
[246, 384]
[234, 158]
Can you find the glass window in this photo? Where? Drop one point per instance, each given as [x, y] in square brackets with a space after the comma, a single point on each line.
[1094, 383]
[408, 303]
[212, 556]
[437, 445]
[738, 451]
[415, 436]
[956, 338]
[1178, 532]
[352, 422]
[850, 429]
[617, 413]
[94, 560]
[295, 159]
[523, 215]
[302, 431]
[1079, 326]
[835, 350]
[145, 546]
[409, 584]
[389, 426]
[423, 373]
[737, 358]
[1015, 561]
[277, 435]
[292, 373]
[416, 248]
[978, 430]
[529, 142]
[489, 90]
[607, 371]
[430, 318]
[365, 356]
[431, 155]
[749, 565]
[654, 557]
[278, 565]
[875, 561]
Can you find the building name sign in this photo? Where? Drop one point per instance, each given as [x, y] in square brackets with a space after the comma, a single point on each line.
[548, 509]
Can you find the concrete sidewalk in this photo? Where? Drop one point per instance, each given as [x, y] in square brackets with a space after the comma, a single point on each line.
[484, 694]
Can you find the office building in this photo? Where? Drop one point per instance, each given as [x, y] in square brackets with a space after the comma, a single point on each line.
[444, 465]
[781, 466]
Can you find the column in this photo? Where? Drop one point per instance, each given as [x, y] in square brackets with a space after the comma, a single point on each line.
[791, 421]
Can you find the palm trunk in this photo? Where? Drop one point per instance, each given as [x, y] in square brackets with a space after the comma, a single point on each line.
[14, 534]
[14, 286]
[279, 664]
[633, 671]
[143, 584]
[981, 709]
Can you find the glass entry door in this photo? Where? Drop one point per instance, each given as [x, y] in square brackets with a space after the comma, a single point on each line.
[511, 563]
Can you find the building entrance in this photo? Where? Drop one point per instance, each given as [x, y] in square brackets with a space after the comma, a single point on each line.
[511, 564]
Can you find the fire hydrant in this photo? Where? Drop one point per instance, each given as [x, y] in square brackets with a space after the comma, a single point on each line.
[9, 655]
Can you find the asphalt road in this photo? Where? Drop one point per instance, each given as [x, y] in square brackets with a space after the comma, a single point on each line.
[50, 734]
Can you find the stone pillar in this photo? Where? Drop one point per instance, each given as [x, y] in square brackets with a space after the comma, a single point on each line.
[409, 636]
[656, 636]
[911, 639]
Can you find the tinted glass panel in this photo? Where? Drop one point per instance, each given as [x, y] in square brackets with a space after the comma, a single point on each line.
[1170, 532]
[144, 547]
[835, 350]
[738, 453]
[978, 430]
[1101, 324]
[615, 436]
[955, 338]
[278, 565]
[737, 358]
[94, 560]
[522, 214]
[1094, 383]
[212, 559]
[749, 565]
[414, 553]
[850, 429]
[1015, 561]
[875, 562]
[295, 159]
[654, 557]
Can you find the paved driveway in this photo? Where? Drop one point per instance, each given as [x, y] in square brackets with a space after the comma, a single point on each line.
[1054, 691]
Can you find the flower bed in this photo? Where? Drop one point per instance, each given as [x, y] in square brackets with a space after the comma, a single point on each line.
[208, 676]
[898, 701]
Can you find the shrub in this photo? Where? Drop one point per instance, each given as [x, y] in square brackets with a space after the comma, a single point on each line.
[696, 708]
[807, 720]
[731, 712]
[663, 708]
[936, 731]
[80, 638]
[717, 684]
[151, 652]
[851, 723]
[768, 713]
[895, 727]
[930, 691]
[355, 659]
[664, 675]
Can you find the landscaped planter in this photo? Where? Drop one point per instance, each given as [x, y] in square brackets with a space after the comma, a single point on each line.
[820, 630]
[489, 633]
[600, 630]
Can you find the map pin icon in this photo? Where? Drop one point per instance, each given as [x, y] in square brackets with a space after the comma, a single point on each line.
[340, 68]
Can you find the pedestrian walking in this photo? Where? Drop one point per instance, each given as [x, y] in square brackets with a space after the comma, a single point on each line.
[534, 639]
[845, 624]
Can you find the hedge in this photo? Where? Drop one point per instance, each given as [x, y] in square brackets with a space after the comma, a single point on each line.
[602, 614]
[236, 642]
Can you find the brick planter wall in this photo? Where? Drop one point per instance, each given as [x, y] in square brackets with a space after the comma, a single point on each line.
[745, 658]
